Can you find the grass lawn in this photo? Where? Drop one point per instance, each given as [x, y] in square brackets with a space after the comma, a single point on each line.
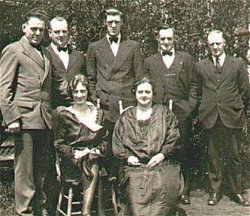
[198, 206]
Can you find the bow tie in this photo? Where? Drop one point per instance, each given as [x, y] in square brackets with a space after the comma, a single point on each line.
[64, 49]
[170, 53]
[113, 39]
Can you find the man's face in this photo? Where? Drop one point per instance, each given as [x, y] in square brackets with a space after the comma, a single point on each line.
[114, 23]
[166, 39]
[33, 30]
[216, 44]
[59, 33]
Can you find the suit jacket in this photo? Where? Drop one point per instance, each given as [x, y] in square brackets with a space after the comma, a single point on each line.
[185, 70]
[223, 97]
[112, 77]
[61, 75]
[25, 86]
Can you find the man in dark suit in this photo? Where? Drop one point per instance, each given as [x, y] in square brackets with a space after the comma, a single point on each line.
[224, 92]
[173, 74]
[25, 93]
[113, 64]
[66, 61]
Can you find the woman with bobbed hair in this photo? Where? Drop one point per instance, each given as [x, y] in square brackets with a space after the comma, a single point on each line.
[80, 140]
[144, 137]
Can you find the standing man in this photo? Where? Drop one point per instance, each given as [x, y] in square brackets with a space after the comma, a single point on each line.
[224, 91]
[173, 73]
[25, 94]
[113, 64]
[66, 61]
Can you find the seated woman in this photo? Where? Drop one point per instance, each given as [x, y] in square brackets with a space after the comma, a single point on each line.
[143, 138]
[80, 140]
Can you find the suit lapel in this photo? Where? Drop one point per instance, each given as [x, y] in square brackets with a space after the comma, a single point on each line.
[46, 68]
[177, 63]
[105, 51]
[57, 58]
[31, 53]
[211, 71]
[226, 69]
[124, 49]
[72, 58]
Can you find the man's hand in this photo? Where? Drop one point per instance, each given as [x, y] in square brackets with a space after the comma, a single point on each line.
[13, 127]
[155, 160]
[133, 161]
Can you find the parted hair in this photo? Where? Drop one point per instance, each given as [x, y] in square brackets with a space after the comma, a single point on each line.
[79, 78]
[141, 81]
[36, 12]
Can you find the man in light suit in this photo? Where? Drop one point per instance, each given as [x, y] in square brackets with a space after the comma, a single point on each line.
[113, 64]
[25, 94]
[224, 95]
[173, 73]
[66, 61]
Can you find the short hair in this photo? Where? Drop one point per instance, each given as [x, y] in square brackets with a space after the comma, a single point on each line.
[141, 81]
[57, 18]
[37, 13]
[79, 78]
[164, 27]
[215, 32]
[113, 12]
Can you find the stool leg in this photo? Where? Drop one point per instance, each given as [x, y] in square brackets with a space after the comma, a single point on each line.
[60, 200]
[100, 199]
[70, 199]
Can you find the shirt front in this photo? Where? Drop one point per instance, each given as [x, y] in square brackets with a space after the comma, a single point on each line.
[114, 45]
[169, 59]
[221, 59]
[63, 55]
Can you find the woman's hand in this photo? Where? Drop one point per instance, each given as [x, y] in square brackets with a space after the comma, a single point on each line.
[78, 154]
[94, 153]
[133, 161]
[155, 160]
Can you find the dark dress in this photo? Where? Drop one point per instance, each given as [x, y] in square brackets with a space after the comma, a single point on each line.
[149, 191]
[73, 134]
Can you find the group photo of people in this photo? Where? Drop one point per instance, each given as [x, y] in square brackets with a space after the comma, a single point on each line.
[117, 125]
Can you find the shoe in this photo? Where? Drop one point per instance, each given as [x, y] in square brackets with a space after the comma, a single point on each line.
[214, 198]
[185, 199]
[239, 199]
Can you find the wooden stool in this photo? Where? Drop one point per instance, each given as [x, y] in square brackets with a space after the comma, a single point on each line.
[68, 194]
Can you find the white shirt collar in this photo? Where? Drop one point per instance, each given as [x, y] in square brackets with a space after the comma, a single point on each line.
[222, 58]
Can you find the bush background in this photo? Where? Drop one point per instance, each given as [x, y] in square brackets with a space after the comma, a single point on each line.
[192, 19]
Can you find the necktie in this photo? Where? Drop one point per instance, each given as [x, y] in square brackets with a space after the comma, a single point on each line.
[217, 62]
[64, 49]
[170, 53]
[113, 39]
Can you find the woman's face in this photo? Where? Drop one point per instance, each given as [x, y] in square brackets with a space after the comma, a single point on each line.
[144, 95]
[80, 94]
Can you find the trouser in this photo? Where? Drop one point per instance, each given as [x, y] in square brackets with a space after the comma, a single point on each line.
[184, 154]
[31, 167]
[112, 164]
[223, 155]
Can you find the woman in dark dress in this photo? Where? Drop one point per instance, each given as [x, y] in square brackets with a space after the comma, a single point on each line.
[80, 140]
[144, 136]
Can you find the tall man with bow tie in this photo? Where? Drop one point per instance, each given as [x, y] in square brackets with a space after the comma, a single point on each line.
[66, 61]
[113, 64]
[224, 96]
[25, 96]
[173, 73]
